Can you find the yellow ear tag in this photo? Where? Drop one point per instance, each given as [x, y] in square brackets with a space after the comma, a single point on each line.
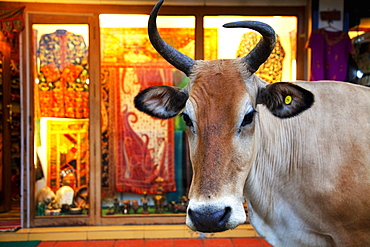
[288, 100]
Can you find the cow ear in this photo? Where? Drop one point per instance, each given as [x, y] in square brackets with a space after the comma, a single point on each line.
[161, 101]
[285, 100]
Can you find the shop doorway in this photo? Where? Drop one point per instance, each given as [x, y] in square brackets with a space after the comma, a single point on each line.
[10, 165]
[59, 104]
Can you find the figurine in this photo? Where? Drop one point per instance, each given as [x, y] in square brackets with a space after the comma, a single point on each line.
[81, 199]
[159, 203]
[65, 195]
[53, 205]
[159, 199]
[183, 205]
[117, 208]
[159, 180]
[144, 201]
[135, 206]
[173, 207]
[45, 195]
[110, 210]
[126, 207]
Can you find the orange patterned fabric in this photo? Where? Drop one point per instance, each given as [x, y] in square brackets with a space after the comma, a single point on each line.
[11, 20]
[63, 77]
[272, 69]
[136, 148]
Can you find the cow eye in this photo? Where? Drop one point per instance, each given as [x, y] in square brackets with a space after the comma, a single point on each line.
[187, 120]
[248, 118]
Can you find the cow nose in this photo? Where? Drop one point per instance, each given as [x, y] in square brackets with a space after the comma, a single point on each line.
[210, 220]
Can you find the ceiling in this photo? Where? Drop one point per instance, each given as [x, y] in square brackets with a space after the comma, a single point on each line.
[181, 2]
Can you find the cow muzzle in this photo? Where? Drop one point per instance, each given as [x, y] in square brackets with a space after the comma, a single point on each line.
[216, 216]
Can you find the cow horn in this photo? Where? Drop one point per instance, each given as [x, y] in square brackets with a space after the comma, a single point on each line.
[263, 49]
[173, 56]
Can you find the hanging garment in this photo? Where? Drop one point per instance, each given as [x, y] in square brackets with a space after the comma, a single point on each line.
[63, 84]
[272, 69]
[330, 52]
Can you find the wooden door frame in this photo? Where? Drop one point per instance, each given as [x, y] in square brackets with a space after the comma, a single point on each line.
[28, 75]
[5, 192]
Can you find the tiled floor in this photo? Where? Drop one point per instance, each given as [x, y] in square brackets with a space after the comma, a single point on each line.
[134, 236]
[215, 242]
[146, 232]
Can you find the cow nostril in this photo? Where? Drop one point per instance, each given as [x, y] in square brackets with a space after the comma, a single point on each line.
[225, 217]
[190, 212]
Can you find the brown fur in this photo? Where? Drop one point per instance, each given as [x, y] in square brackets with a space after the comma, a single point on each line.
[208, 95]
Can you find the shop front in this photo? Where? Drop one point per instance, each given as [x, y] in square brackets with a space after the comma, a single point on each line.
[91, 158]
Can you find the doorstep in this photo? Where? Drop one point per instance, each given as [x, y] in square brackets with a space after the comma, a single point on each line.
[120, 232]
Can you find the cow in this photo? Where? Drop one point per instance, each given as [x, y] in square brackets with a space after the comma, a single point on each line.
[299, 152]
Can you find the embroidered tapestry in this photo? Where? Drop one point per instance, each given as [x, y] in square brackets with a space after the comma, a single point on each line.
[136, 148]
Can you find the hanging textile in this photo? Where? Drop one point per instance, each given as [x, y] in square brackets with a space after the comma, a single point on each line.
[136, 148]
[11, 20]
[330, 53]
[144, 145]
[272, 69]
[63, 76]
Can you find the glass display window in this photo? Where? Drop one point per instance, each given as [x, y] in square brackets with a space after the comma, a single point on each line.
[237, 42]
[144, 165]
[61, 117]
[124, 167]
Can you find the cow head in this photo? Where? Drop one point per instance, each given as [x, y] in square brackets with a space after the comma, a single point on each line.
[219, 107]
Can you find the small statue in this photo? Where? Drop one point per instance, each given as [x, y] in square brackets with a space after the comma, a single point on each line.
[159, 203]
[184, 200]
[81, 199]
[135, 206]
[110, 210]
[126, 207]
[116, 206]
[45, 195]
[183, 205]
[159, 180]
[144, 201]
[159, 199]
[173, 207]
[65, 195]
[53, 205]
